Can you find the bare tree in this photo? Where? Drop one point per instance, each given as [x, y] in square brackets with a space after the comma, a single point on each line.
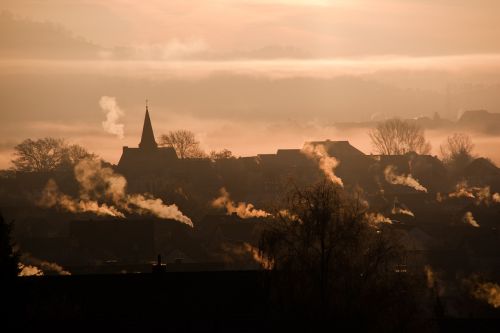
[73, 154]
[184, 142]
[332, 256]
[47, 154]
[221, 154]
[457, 150]
[397, 137]
[38, 155]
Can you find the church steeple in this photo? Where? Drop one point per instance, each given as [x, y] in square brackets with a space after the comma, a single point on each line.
[148, 138]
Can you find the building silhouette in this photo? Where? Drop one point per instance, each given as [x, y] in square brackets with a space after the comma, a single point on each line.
[148, 157]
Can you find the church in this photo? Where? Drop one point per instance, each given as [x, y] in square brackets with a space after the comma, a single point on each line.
[148, 157]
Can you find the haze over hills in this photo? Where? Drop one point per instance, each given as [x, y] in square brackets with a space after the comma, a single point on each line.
[276, 86]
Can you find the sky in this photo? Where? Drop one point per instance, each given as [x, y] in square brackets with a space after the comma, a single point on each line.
[250, 76]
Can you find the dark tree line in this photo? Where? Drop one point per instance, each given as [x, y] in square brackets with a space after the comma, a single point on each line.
[331, 261]
[9, 258]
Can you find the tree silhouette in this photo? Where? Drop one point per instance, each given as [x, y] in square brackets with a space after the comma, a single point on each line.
[221, 154]
[398, 137]
[332, 261]
[9, 259]
[184, 142]
[457, 151]
[47, 154]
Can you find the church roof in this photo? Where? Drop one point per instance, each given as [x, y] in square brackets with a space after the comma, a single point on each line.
[148, 138]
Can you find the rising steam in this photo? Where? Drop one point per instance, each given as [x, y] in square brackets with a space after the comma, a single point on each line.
[52, 197]
[102, 184]
[406, 180]
[375, 219]
[488, 292]
[326, 163]
[256, 255]
[429, 274]
[158, 208]
[242, 209]
[113, 113]
[481, 195]
[400, 210]
[469, 218]
[31, 266]
[28, 270]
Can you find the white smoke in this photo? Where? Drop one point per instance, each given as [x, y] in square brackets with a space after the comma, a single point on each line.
[113, 113]
[375, 219]
[52, 197]
[256, 255]
[462, 191]
[242, 209]
[399, 210]
[158, 208]
[28, 270]
[469, 218]
[31, 266]
[481, 195]
[406, 180]
[326, 163]
[98, 183]
[488, 292]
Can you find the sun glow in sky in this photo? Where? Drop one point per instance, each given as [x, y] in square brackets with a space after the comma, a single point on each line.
[233, 70]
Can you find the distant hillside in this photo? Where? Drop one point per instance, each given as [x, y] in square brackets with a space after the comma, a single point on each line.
[481, 121]
[474, 120]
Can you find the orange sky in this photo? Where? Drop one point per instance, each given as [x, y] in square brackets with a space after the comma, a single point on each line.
[237, 71]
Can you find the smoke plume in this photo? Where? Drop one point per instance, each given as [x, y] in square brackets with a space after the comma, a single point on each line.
[482, 195]
[469, 218]
[488, 292]
[462, 191]
[98, 184]
[242, 209]
[429, 273]
[113, 113]
[400, 210]
[326, 163]
[27, 270]
[256, 255]
[406, 180]
[158, 208]
[31, 266]
[375, 219]
[52, 197]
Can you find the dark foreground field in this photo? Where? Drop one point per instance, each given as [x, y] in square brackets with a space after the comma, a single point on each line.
[229, 301]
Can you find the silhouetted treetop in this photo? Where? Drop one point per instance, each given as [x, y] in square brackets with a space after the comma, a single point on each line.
[221, 154]
[457, 150]
[398, 137]
[184, 142]
[334, 260]
[48, 154]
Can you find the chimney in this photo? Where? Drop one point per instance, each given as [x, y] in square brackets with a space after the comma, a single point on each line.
[159, 268]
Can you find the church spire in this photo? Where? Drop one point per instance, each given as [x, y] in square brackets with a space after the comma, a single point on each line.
[148, 138]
